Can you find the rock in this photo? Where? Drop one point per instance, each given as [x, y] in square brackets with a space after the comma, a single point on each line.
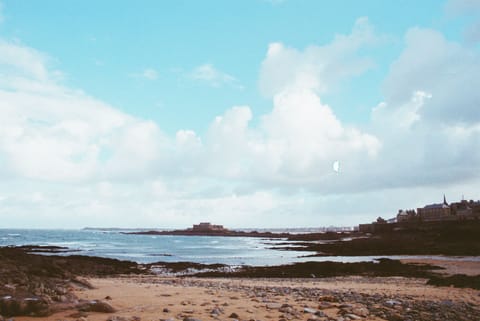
[287, 309]
[352, 316]
[233, 316]
[328, 298]
[28, 306]
[117, 318]
[392, 303]
[188, 311]
[216, 311]
[166, 310]
[309, 310]
[361, 311]
[108, 297]
[191, 319]
[325, 305]
[95, 306]
[273, 305]
[320, 314]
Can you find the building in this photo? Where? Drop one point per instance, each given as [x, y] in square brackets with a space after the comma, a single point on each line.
[428, 215]
[466, 210]
[436, 212]
[406, 216]
[207, 227]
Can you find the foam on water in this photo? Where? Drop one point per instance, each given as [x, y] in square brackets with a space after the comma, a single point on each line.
[169, 248]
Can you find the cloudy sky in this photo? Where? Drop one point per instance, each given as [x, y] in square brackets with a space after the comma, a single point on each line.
[168, 113]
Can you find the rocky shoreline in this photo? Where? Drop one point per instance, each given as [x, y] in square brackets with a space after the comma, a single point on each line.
[39, 285]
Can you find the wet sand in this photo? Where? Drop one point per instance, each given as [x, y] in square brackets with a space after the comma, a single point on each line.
[450, 267]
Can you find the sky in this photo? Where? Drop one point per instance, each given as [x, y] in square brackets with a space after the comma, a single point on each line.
[169, 113]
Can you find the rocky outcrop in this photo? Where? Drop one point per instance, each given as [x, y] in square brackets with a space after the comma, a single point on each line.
[36, 285]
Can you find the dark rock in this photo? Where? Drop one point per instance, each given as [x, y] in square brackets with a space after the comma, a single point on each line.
[233, 316]
[12, 306]
[320, 314]
[191, 319]
[166, 310]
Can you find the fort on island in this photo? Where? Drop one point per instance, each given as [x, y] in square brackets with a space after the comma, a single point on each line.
[429, 214]
[207, 227]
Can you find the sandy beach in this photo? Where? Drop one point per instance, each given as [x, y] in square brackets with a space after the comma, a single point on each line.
[341, 298]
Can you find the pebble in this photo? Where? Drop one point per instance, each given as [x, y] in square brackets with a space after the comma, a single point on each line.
[233, 316]
[392, 302]
[309, 310]
[273, 305]
[216, 311]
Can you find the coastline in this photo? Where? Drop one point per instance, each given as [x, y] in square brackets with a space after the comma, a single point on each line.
[54, 287]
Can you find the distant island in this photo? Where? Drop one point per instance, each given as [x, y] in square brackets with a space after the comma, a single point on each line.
[208, 229]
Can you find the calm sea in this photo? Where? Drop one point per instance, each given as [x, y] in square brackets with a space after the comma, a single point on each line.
[166, 248]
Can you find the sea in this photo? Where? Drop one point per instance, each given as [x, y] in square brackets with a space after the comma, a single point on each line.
[234, 251]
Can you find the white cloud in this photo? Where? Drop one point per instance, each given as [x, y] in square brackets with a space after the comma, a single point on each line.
[470, 9]
[150, 74]
[318, 68]
[430, 120]
[210, 75]
[434, 65]
[51, 132]
[63, 151]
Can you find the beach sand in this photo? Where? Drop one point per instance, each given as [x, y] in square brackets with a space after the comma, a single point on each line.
[342, 298]
[451, 267]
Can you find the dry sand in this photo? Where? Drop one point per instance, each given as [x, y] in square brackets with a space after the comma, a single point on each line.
[147, 297]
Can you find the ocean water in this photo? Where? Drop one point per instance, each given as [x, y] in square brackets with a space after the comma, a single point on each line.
[168, 248]
[155, 248]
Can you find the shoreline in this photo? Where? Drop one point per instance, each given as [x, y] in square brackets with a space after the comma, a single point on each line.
[47, 285]
[143, 297]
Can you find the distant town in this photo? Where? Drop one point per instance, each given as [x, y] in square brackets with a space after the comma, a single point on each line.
[429, 214]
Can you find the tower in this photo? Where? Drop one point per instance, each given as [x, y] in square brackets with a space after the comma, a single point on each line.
[444, 200]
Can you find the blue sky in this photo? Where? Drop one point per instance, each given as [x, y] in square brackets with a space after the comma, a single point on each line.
[233, 111]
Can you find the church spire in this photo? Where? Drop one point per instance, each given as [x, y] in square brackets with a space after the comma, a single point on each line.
[444, 200]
